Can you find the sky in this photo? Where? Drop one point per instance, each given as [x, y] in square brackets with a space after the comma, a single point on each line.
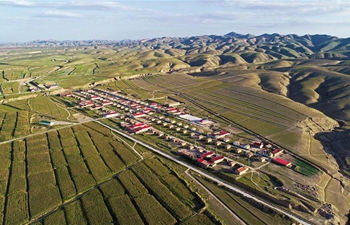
[27, 20]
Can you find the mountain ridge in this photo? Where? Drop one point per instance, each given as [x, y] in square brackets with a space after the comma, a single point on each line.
[301, 44]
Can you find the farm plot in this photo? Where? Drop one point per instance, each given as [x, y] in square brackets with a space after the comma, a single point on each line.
[22, 124]
[153, 211]
[157, 167]
[95, 208]
[132, 184]
[146, 200]
[161, 192]
[48, 169]
[54, 141]
[247, 212]
[56, 218]
[44, 106]
[245, 108]
[65, 182]
[132, 88]
[19, 104]
[173, 81]
[334, 194]
[124, 210]
[74, 213]
[144, 84]
[9, 88]
[124, 153]
[8, 125]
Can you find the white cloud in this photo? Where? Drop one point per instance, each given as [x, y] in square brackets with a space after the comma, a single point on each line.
[58, 13]
[94, 5]
[291, 7]
[17, 3]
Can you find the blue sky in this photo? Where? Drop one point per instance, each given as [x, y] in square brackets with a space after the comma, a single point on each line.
[26, 20]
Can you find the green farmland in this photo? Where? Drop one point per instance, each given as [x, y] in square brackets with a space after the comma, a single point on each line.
[287, 91]
[49, 170]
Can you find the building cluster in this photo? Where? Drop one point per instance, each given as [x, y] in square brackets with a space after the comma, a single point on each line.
[204, 158]
[208, 159]
[263, 151]
[94, 99]
[34, 86]
[141, 116]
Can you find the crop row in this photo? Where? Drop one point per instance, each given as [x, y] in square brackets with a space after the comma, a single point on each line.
[14, 124]
[48, 169]
[124, 200]
[172, 81]
[44, 105]
[161, 192]
[259, 98]
[245, 109]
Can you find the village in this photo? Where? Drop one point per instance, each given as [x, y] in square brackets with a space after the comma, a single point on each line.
[200, 140]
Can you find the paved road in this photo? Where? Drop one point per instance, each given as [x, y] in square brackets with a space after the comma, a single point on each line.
[214, 197]
[195, 169]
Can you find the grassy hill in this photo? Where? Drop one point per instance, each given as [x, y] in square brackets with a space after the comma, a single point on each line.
[291, 89]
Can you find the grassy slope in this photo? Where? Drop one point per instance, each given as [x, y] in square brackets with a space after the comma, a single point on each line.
[310, 82]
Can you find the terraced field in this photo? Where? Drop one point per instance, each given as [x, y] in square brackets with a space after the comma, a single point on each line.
[81, 174]
[14, 124]
[254, 84]
[267, 114]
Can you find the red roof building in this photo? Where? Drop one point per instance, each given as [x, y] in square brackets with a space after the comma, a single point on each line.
[207, 154]
[138, 128]
[172, 110]
[258, 144]
[138, 115]
[221, 134]
[203, 163]
[68, 94]
[146, 110]
[241, 170]
[186, 153]
[96, 107]
[84, 104]
[276, 152]
[282, 162]
[217, 159]
[106, 102]
[94, 97]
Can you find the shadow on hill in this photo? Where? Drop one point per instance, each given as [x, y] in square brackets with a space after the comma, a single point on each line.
[337, 143]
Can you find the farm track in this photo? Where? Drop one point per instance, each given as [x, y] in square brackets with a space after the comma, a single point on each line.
[233, 214]
[66, 161]
[95, 68]
[248, 109]
[145, 84]
[8, 188]
[147, 80]
[57, 104]
[175, 83]
[229, 109]
[83, 193]
[253, 133]
[252, 96]
[229, 186]
[237, 106]
[132, 147]
[70, 72]
[245, 208]
[79, 196]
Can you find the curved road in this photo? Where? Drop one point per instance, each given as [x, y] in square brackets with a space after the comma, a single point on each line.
[189, 166]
